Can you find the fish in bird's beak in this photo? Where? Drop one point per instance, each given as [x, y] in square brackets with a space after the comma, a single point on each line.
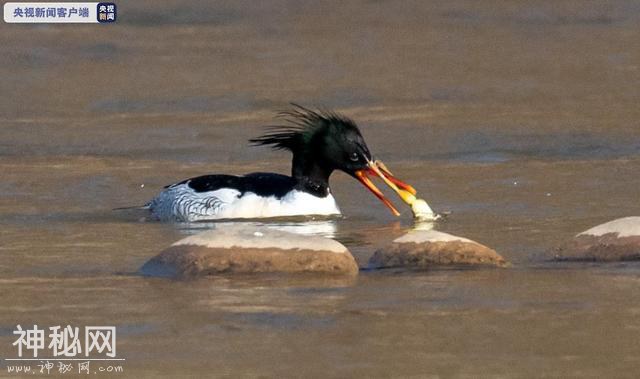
[377, 168]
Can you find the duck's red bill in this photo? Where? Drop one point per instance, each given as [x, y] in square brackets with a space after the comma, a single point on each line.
[378, 169]
[361, 175]
[402, 185]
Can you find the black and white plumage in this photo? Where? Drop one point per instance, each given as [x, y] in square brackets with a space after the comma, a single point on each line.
[254, 195]
[320, 142]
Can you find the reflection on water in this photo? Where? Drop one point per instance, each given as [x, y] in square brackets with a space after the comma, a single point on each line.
[321, 228]
[420, 225]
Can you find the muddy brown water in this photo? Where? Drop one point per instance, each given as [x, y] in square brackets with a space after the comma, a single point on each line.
[519, 118]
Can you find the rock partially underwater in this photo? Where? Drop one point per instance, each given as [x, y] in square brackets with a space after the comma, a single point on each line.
[617, 240]
[429, 248]
[244, 250]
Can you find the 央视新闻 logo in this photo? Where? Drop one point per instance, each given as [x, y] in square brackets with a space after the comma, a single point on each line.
[107, 12]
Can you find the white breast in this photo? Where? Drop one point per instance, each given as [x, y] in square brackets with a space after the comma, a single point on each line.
[181, 203]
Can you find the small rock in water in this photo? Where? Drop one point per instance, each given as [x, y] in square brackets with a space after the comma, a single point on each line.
[617, 240]
[429, 248]
[250, 250]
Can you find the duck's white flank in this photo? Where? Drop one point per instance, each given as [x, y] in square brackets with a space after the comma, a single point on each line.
[261, 238]
[182, 203]
[624, 227]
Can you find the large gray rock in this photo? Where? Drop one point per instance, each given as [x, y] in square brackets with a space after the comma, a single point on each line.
[251, 250]
[429, 248]
[617, 240]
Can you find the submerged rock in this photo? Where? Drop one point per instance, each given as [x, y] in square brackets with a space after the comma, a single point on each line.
[250, 250]
[429, 248]
[617, 240]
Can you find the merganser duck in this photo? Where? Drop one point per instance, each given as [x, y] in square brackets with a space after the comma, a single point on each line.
[320, 141]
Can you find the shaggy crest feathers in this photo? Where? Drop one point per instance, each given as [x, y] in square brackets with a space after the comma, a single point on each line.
[303, 124]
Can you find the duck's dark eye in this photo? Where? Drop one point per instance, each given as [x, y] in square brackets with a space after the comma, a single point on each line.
[354, 157]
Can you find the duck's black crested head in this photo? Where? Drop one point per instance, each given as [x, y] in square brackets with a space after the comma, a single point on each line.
[323, 141]
[325, 138]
